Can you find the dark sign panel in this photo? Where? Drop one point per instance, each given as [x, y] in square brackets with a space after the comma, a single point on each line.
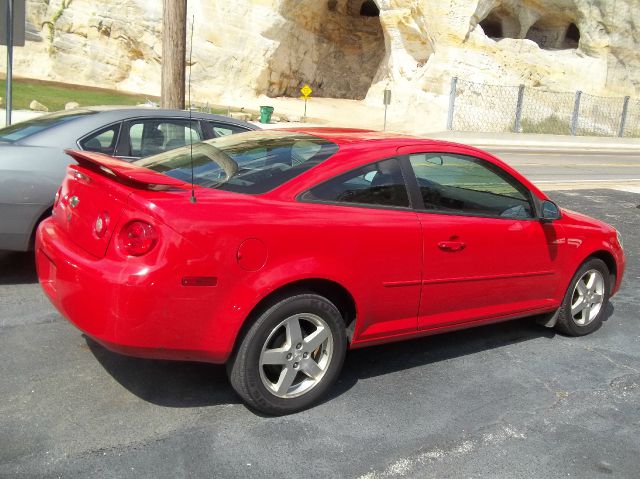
[18, 22]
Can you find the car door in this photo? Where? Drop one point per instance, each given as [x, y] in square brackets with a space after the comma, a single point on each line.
[377, 236]
[485, 254]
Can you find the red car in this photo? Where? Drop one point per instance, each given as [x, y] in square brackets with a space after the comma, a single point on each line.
[276, 251]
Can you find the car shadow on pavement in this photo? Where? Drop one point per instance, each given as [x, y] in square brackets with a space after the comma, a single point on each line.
[389, 358]
[177, 384]
[181, 384]
[17, 268]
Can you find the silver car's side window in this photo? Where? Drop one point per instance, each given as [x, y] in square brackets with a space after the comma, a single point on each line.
[224, 129]
[102, 141]
[152, 136]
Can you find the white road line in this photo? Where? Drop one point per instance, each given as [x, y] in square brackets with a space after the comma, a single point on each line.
[570, 165]
[629, 189]
[612, 180]
[567, 154]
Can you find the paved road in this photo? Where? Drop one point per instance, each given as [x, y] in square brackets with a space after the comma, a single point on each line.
[564, 170]
[562, 162]
[509, 400]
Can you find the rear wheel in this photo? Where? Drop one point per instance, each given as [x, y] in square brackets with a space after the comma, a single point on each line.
[290, 356]
[586, 299]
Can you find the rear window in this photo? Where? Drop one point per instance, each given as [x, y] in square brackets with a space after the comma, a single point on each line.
[19, 131]
[253, 162]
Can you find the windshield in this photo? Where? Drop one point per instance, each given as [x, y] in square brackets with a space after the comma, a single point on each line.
[19, 131]
[253, 162]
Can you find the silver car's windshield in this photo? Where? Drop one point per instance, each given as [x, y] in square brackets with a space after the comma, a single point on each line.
[253, 162]
[19, 131]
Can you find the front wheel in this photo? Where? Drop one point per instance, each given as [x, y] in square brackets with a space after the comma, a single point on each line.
[586, 299]
[290, 356]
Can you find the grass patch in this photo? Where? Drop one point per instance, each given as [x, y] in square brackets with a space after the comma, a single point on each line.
[55, 95]
[552, 125]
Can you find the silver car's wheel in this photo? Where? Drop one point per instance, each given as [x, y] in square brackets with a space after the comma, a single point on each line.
[588, 297]
[291, 354]
[295, 356]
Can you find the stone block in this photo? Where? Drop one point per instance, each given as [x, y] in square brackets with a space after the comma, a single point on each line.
[35, 105]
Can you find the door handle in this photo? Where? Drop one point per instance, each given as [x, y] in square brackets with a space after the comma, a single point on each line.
[452, 246]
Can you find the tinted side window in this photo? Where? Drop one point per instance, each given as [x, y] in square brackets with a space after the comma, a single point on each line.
[222, 129]
[153, 136]
[466, 185]
[103, 141]
[379, 184]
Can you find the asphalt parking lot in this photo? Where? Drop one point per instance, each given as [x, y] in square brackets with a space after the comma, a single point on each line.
[507, 400]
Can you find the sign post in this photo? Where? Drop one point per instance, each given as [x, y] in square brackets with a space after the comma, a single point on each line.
[11, 34]
[306, 91]
[387, 102]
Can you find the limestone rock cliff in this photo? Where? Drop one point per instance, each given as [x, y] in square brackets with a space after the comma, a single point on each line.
[350, 49]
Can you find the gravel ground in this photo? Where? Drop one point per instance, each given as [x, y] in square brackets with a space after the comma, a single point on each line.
[508, 400]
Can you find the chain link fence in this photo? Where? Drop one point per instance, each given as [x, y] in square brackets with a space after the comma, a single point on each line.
[494, 108]
[544, 112]
[632, 124]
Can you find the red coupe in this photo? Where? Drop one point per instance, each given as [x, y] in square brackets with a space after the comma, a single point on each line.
[276, 251]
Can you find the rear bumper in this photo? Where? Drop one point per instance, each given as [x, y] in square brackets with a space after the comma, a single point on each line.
[129, 307]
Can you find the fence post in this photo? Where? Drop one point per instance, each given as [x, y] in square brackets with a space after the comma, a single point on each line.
[516, 124]
[623, 118]
[576, 112]
[452, 102]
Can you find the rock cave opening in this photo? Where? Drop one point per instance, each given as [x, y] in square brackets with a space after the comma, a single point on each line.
[550, 32]
[572, 37]
[492, 26]
[500, 23]
[554, 33]
[341, 58]
[369, 9]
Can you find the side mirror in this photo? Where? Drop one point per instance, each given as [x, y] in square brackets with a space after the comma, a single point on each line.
[550, 211]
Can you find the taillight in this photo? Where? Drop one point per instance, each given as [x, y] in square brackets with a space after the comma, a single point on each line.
[137, 238]
[101, 224]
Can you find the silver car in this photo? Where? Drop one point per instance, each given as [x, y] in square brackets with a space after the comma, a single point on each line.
[33, 162]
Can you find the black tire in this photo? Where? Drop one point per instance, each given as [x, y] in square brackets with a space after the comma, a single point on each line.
[252, 381]
[567, 323]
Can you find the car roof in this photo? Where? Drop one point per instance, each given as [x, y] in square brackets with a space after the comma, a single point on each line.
[123, 112]
[93, 118]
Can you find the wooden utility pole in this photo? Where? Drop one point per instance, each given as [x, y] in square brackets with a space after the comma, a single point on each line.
[174, 39]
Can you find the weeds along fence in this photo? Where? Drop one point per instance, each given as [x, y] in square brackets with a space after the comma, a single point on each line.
[492, 108]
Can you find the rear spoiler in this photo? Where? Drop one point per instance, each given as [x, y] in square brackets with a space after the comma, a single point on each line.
[124, 172]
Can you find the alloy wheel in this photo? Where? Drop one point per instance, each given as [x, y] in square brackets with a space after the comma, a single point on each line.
[296, 355]
[588, 297]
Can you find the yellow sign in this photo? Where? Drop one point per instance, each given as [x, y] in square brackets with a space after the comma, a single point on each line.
[306, 90]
